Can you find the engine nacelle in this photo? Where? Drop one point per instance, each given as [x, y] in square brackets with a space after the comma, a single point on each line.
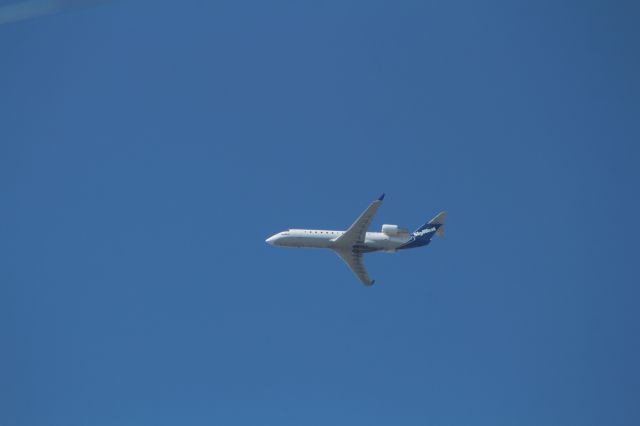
[390, 230]
[393, 230]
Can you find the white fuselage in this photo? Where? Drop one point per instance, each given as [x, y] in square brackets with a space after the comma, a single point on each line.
[352, 244]
[321, 238]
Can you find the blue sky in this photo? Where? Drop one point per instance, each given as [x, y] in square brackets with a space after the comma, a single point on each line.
[147, 149]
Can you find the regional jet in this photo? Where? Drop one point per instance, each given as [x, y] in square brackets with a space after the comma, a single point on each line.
[352, 244]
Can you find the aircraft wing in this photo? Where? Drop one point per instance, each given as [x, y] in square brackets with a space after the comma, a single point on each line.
[356, 232]
[355, 262]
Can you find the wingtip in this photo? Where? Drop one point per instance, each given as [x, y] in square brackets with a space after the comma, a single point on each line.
[380, 198]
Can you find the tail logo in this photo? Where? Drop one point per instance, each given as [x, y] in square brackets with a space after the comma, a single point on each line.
[424, 231]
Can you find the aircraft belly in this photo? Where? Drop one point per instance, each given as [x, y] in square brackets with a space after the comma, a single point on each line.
[307, 242]
[386, 244]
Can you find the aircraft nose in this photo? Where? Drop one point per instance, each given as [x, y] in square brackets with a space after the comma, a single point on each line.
[271, 240]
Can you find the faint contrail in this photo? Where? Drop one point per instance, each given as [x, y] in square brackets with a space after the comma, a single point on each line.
[34, 8]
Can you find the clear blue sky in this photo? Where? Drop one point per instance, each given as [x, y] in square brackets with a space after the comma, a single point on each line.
[147, 149]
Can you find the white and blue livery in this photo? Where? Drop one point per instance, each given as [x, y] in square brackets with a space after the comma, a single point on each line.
[351, 244]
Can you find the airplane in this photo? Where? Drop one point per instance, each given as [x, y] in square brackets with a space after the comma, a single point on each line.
[352, 244]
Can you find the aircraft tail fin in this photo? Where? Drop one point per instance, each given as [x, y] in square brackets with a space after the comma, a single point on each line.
[436, 224]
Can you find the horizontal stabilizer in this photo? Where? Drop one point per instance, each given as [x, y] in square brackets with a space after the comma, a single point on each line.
[439, 221]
